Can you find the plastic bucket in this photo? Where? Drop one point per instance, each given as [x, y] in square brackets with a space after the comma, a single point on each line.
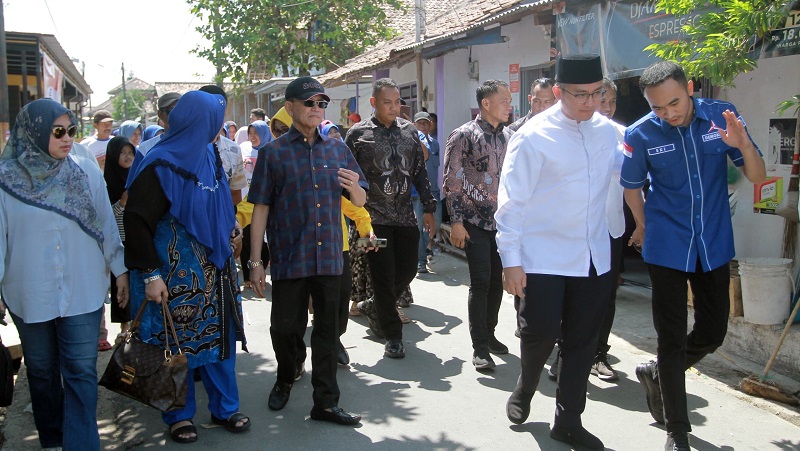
[766, 289]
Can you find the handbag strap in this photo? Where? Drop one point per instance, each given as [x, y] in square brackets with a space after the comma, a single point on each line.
[169, 326]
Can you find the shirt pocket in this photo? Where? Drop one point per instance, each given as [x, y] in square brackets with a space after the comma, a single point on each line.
[669, 169]
[715, 156]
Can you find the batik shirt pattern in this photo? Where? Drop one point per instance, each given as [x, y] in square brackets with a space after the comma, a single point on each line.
[473, 159]
[392, 160]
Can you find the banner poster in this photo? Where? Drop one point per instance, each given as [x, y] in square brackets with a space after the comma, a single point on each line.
[781, 142]
[51, 78]
[784, 41]
[619, 31]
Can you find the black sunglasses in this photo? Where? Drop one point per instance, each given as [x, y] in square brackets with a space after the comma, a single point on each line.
[59, 131]
[320, 103]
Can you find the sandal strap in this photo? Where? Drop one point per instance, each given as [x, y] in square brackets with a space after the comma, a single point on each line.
[174, 427]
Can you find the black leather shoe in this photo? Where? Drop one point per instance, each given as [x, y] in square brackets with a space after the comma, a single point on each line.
[518, 406]
[279, 395]
[394, 349]
[300, 370]
[343, 357]
[647, 373]
[578, 438]
[677, 441]
[483, 361]
[497, 348]
[336, 415]
[367, 309]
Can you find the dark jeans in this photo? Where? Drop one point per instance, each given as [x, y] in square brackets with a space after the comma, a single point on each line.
[61, 363]
[392, 269]
[677, 352]
[617, 246]
[485, 285]
[245, 256]
[288, 323]
[565, 307]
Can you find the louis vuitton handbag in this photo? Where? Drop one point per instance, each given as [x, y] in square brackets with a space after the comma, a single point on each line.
[146, 372]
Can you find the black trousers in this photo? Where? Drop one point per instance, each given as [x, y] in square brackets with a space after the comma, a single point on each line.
[345, 287]
[485, 285]
[118, 314]
[288, 322]
[392, 269]
[569, 308]
[677, 352]
[617, 246]
[245, 256]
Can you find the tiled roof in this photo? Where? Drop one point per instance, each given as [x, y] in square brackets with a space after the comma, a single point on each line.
[182, 87]
[132, 84]
[461, 16]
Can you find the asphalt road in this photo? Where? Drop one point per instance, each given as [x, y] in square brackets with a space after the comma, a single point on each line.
[435, 400]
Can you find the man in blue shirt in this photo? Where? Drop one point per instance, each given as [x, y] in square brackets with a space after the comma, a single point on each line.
[297, 186]
[684, 148]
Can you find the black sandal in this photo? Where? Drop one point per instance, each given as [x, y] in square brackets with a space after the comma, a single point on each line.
[176, 432]
[230, 423]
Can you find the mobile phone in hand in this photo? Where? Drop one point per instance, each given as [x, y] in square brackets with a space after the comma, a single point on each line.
[363, 243]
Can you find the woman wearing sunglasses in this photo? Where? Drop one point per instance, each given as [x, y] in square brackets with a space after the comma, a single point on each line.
[58, 238]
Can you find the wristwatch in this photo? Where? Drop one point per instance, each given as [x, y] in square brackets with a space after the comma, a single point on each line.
[147, 280]
[251, 264]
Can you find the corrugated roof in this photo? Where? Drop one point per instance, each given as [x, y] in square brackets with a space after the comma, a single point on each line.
[480, 23]
[459, 18]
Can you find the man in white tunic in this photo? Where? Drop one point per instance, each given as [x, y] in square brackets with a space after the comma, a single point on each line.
[553, 241]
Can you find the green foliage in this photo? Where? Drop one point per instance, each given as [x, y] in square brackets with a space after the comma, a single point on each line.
[288, 37]
[717, 45]
[136, 100]
[785, 105]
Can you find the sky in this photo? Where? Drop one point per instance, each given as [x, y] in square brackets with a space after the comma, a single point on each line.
[152, 37]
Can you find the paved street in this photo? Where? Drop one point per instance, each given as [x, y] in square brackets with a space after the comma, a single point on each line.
[435, 400]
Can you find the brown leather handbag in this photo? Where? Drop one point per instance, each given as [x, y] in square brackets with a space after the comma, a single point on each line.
[148, 373]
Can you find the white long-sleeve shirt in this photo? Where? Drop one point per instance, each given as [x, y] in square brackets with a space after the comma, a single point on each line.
[50, 267]
[615, 215]
[551, 215]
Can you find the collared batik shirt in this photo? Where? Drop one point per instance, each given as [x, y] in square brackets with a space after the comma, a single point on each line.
[392, 160]
[473, 159]
[299, 182]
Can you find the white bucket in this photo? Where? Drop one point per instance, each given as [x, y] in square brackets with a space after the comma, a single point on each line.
[766, 289]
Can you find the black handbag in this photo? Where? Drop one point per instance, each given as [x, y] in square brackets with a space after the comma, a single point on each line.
[6, 376]
[145, 372]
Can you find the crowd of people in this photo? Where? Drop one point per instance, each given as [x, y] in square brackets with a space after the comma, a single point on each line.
[345, 223]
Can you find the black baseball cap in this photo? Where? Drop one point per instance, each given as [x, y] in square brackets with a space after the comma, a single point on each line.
[303, 88]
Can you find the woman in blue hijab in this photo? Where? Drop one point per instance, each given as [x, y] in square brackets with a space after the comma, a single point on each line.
[179, 220]
[152, 131]
[59, 240]
[131, 130]
[259, 135]
[331, 131]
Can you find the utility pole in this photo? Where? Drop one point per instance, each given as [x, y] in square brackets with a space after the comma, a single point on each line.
[419, 18]
[124, 96]
[4, 116]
